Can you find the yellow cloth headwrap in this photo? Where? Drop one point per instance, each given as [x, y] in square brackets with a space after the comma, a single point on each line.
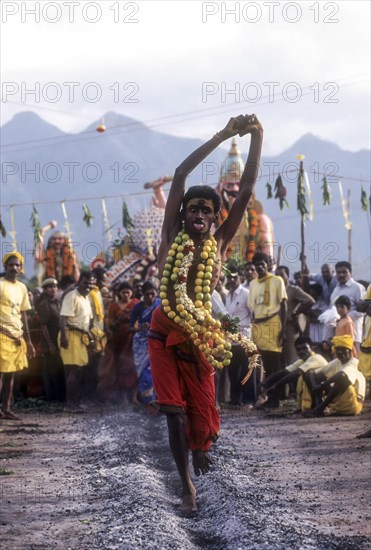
[343, 341]
[17, 255]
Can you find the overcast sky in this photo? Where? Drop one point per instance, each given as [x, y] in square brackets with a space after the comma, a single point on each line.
[155, 60]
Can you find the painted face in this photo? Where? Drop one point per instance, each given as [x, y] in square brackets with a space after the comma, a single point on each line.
[13, 267]
[230, 191]
[304, 351]
[261, 268]
[199, 216]
[343, 275]
[343, 354]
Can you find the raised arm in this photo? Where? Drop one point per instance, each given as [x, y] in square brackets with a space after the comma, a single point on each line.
[174, 202]
[229, 227]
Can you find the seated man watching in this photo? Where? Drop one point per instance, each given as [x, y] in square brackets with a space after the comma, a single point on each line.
[338, 385]
[308, 360]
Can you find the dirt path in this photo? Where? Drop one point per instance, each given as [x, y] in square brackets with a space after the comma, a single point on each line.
[105, 480]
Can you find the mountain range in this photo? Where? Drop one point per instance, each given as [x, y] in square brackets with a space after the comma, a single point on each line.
[42, 165]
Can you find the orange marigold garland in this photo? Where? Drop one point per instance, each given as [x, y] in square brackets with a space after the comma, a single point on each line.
[68, 261]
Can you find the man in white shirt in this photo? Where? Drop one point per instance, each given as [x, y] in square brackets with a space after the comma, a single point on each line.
[347, 286]
[236, 302]
[236, 305]
[327, 279]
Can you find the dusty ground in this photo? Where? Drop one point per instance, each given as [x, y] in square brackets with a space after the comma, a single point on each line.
[105, 480]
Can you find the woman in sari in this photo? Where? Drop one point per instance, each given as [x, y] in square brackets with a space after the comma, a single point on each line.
[117, 373]
[140, 320]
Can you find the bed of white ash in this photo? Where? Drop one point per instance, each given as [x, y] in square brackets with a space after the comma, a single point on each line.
[105, 480]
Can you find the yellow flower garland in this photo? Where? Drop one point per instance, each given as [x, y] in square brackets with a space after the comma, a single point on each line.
[195, 317]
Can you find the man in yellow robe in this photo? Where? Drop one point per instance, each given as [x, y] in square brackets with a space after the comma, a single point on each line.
[340, 381]
[75, 337]
[268, 301]
[14, 334]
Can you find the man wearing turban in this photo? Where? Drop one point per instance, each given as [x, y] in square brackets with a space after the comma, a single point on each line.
[14, 334]
[339, 385]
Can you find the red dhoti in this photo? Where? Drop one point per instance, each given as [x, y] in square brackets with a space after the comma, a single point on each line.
[183, 380]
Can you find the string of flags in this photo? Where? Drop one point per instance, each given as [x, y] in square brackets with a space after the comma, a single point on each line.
[305, 203]
[279, 192]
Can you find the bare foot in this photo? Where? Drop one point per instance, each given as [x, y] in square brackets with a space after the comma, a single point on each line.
[364, 435]
[263, 398]
[9, 415]
[201, 462]
[188, 506]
